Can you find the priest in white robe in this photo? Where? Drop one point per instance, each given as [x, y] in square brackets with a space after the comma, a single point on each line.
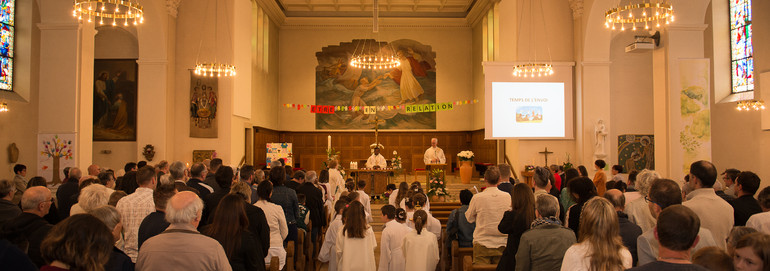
[434, 154]
[376, 161]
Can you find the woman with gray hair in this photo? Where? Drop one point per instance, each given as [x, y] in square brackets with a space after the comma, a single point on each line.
[111, 218]
[91, 197]
[637, 210]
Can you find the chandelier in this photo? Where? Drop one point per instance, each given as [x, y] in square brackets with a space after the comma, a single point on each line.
[641, 13]
[751, 105]
[213, 68]
[3, 107]
[533, 68]
[371, 55]
[114, 11]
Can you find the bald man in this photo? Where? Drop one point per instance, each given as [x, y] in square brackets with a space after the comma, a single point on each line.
[181, 246]
[93, 170]
[629, 231]
[29, 228]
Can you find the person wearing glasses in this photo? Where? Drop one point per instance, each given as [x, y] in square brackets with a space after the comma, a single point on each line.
[664, 193]
[29, 228]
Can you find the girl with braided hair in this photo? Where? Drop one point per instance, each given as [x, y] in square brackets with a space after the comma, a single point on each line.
[420, 246]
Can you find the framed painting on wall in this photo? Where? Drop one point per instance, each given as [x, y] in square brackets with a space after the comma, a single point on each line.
[200, 155]
[636, 152]
[115, 99]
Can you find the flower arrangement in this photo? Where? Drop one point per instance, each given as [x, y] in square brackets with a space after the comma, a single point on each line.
[465, 156]
[332, 154]
[395, 163]
[529, 168]
[148, 152]
[567, 165]
[437, 184]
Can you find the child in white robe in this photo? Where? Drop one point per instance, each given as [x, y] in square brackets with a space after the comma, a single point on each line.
[420, 247]
[391, 255]
[356, 241]
[328, 252]
[415, 203]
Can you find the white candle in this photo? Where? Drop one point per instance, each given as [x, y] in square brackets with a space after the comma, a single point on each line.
[329, 142]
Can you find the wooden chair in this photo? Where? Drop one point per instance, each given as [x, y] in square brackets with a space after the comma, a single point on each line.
[469, 266]
[458, 254]
[289, 257]
[274, 264]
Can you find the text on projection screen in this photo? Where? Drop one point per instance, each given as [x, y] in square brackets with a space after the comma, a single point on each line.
[528, 110]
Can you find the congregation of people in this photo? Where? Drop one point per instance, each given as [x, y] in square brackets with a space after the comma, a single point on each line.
[210, 216]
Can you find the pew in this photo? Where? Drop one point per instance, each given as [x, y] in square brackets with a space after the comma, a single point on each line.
[274, 264]
[299, 263]
[289, 257]
[469, 266]
[458, 254]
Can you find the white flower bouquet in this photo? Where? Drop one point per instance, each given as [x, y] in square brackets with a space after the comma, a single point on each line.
[465, 156]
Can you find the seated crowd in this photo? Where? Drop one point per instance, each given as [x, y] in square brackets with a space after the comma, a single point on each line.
[210, 216]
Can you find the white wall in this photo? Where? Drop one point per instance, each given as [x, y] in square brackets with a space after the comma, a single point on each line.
[298, 61]
[630, 92]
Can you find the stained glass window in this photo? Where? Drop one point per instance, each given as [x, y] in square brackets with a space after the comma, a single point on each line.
[7, 12]
[741, 48]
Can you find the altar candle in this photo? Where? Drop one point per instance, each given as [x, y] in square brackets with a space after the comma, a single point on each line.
[329, 142]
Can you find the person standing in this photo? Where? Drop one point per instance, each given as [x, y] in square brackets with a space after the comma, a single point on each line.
[629, 232]
[434, 154]
[516, 221]
[600, 178]
[744, 206]
[420, 248]
[600, 246]
[336, 181]
[356, 241]
[486, 210]
[543, 246]
[715, 214]
[761, 221]
[19, 181]
[392, 257]
[677, 234]
[28, 229]
[135, 207]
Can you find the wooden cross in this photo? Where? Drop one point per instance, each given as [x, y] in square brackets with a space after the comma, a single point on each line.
[546, 153]
[376, 122]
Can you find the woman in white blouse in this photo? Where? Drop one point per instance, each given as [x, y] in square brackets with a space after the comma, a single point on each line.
[276, 220]
[600, 246]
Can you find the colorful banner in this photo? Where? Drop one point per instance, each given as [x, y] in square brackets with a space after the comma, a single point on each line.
[409, 109]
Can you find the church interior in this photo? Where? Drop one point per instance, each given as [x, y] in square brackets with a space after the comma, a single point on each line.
[275, 46]
[251, 81]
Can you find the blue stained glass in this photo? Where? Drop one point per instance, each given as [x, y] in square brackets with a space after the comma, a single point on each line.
[6, 41]
[6, 73]
[7, 11]
[741, 47]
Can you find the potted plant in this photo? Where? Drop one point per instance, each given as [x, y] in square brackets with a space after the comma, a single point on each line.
[466, 166]
[437, 186]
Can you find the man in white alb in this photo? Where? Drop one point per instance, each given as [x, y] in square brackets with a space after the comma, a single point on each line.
[376, 161]
[434, 154]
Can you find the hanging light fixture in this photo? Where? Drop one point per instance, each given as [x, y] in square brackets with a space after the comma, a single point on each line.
[534, 68]
[370, 55]
[112, 12]
[3, 107]
[749, 105]
[644, 14]
[213, 68]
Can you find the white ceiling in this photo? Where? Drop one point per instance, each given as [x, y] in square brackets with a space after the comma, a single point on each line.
[388, 8]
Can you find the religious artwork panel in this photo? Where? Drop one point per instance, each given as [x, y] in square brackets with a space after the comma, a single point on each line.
[200, 155]
[6, 40]
[55, 152]
[6, 73]
[115, 99]
[277, 151]
[342, 85]
[204, 96]
[636, 152]
[695, 129]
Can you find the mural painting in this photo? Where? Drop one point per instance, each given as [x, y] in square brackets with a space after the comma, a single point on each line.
[339, 84]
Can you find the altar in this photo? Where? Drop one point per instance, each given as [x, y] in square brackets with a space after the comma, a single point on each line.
[376, 179]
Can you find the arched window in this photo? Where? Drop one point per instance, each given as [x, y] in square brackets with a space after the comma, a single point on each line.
[742, 53]
[7, 14]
